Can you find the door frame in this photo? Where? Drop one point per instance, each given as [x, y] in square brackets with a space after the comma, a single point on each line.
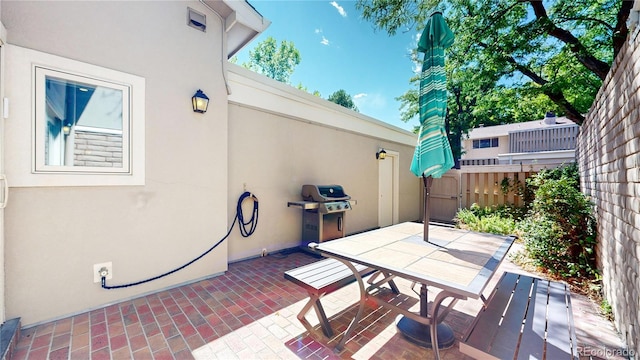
[395, 186]
[4, 186]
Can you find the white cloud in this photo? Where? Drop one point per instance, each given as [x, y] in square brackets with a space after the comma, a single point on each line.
[318, 31]
[370, 103]
[377, 101]
[339, 8]
[324, 41]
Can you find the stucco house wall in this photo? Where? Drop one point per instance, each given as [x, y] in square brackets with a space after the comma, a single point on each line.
[490, 152]
[262, 136]
[281, 138]
[54, 235]
[609, 158]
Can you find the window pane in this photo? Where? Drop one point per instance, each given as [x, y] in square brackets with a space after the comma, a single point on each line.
[84, 123]
[88, 123]
[485, 143]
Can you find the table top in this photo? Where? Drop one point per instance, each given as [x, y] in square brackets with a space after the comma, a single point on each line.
[463, 264]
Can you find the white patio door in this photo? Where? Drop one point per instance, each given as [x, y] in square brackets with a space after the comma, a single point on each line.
[388, 190]
[4, 187]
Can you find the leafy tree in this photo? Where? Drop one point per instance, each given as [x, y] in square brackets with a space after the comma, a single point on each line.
[304, 88]
[341, 97]
[513, 60]
[275, 61]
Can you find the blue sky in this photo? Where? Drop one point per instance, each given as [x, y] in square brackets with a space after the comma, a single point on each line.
[340, 50]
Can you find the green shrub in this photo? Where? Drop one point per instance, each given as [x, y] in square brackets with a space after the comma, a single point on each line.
[485, 220]
[559, 230]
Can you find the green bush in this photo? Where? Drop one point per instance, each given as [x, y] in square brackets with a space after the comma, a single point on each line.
[485, 220]
[557, 226]
[559, 230]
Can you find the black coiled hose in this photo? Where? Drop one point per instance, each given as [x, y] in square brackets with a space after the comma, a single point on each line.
[252, 223]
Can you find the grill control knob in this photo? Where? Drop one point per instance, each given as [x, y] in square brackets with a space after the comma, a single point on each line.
[339, 206]
[329, 207]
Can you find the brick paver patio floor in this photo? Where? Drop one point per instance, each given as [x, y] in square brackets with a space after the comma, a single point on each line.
[250, 313]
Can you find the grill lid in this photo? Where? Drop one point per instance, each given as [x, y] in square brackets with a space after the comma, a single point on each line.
[324, 193]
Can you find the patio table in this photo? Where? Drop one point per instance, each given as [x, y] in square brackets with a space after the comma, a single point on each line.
[459, 262]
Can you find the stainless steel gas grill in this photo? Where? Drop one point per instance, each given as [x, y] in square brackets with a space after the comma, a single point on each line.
[323, 212]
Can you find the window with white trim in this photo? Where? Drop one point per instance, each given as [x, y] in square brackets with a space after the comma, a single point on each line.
[485, 143]
[82, 124]
[72, 123]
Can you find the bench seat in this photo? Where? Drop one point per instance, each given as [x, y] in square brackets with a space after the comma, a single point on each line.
[321, 278]
[524, 318]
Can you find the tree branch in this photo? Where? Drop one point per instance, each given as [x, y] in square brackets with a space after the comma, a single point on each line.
[620, 30]
[554, 94]
[600, 68]
[587, 19]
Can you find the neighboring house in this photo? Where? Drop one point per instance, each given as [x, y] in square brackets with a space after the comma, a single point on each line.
[496, 161]
[540, 143]
[175, 175]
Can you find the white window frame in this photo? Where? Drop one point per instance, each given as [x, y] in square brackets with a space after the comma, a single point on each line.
[491, 141]
[39, 164]
[23, 123]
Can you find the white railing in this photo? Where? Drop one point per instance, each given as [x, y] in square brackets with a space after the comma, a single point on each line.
[549, 139]
[476, 162]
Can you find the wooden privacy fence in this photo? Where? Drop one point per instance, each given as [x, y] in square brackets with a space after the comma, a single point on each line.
[493, 189]
[460, 189]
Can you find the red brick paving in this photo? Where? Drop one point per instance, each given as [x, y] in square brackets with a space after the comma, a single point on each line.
[249, 312]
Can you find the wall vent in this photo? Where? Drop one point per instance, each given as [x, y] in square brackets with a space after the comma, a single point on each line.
[196, 20]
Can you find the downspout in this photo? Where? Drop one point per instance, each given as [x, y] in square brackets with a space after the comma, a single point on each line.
[222, 47]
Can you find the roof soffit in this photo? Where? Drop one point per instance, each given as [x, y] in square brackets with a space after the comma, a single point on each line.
[242, 22]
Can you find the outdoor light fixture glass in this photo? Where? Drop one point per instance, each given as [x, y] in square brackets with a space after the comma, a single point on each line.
[66, 129]
[200, 102]
[381, 155]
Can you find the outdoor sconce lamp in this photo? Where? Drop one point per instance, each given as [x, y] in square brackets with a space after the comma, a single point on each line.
[200, 102]
[381, 155]
[66, 128]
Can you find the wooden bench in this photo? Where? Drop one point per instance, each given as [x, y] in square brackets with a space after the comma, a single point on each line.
[524, 318]
[321, 278]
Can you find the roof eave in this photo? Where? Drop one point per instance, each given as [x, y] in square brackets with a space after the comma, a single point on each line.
[242, 22]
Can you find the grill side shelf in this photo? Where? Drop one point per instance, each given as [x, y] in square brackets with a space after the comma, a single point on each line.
[312, 205]
[305, 205]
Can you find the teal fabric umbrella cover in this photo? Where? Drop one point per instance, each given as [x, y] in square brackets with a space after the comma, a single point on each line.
[432, 156]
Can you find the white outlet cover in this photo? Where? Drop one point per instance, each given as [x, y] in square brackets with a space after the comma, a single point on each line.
[96, 271]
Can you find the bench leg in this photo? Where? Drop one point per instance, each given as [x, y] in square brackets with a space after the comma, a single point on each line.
[314, 301]
[324, 322]
[394, 287]
[388, 278]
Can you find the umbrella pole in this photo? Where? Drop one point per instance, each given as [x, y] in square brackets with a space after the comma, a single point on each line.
[428, 180]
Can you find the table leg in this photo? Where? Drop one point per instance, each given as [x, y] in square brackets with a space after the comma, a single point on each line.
[423, 300]
[432, 331]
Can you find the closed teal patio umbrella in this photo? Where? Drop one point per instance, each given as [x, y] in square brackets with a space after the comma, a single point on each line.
[431, 159]
[433, 156]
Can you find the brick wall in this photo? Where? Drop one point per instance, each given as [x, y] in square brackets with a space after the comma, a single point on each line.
[609, 158]
[97, 149]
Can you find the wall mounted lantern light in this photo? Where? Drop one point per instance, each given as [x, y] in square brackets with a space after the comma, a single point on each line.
[66, 129]
[200, 102]
[381, 155]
